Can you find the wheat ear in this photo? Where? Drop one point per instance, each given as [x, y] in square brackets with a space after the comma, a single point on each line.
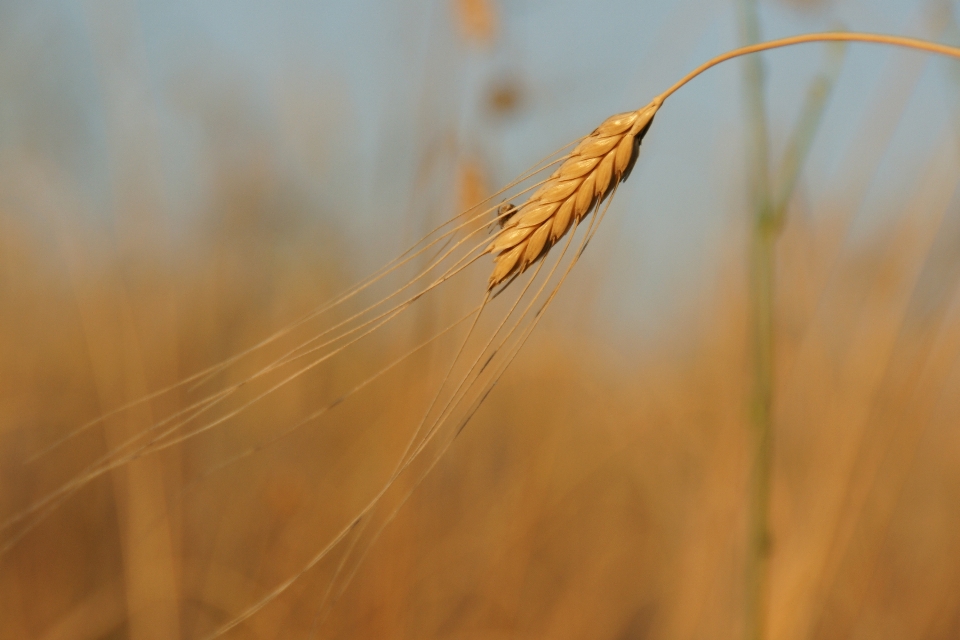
[588, 175]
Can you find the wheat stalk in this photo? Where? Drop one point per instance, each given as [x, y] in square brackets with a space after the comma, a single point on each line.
[604, 158]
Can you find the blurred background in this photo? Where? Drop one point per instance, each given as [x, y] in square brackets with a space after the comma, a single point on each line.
[179, 180]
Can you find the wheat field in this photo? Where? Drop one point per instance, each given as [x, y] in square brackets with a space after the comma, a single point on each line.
[194, 443]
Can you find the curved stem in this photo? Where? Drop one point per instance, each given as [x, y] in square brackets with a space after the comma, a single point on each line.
[834, 36]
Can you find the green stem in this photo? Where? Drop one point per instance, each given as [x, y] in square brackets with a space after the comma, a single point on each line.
[764, 235]
[798, 146]
[762, 295]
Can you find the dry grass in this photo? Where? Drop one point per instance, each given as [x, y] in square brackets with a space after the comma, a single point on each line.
[590, 497]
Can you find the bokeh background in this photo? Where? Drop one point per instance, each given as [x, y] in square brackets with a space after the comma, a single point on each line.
[180, 179]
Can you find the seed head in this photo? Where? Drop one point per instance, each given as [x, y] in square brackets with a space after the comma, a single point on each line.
[588, 175]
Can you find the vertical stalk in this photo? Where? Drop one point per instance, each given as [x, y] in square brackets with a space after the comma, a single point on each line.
[761, 422]
[764, 233]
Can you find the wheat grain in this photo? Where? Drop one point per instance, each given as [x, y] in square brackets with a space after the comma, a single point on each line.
[587, 176]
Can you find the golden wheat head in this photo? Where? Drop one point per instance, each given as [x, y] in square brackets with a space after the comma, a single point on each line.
[588, 175]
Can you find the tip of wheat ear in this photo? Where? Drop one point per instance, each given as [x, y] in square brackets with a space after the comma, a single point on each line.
[584, 179]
